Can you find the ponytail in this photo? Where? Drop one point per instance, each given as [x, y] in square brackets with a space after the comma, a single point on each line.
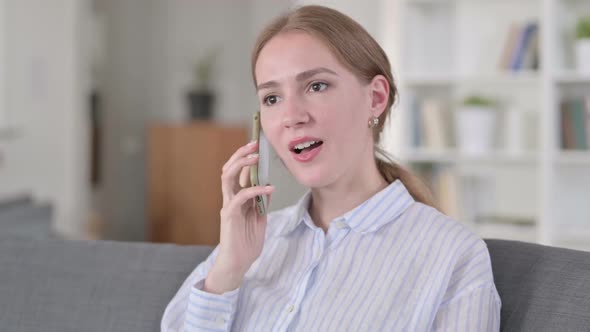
[392, 171]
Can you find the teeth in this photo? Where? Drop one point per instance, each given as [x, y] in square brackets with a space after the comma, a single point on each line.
[304, 145]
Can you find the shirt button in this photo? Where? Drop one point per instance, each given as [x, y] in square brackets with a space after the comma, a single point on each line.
[290, 308]
[220, 321]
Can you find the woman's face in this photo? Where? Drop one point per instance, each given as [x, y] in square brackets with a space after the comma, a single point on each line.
[306, 95]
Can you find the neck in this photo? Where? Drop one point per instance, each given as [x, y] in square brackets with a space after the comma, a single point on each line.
[332, 201]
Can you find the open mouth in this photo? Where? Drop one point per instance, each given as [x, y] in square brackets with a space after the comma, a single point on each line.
[308, 146]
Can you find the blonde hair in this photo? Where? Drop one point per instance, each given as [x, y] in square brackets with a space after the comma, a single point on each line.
[354, 47]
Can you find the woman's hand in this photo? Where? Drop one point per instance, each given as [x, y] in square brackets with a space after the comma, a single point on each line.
[242, 229]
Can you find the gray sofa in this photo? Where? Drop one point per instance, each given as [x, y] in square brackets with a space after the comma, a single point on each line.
[58, 285]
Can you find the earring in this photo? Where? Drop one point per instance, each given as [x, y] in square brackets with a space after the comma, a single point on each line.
[373, 122]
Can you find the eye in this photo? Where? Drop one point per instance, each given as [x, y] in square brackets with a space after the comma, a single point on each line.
[318, 86]
[271, 100]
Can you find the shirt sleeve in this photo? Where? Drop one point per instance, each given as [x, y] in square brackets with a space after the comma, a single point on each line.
[470, 301]
[193, 309]
[475, 310]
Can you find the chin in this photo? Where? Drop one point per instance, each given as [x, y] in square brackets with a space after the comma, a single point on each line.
[316, 175]
[312, 178]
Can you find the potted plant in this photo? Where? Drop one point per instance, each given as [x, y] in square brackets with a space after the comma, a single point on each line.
[475, 125]
[583, 44]
[201, 96]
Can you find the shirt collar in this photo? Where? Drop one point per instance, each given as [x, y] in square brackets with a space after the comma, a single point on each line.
[380, 209]
[300, 210]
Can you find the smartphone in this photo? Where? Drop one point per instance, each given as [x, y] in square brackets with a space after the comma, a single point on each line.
[259, 173]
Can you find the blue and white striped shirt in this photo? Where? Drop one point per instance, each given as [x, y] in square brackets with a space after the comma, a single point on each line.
[389, 264]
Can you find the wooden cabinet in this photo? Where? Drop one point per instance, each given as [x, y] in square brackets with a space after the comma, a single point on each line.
[184, 170]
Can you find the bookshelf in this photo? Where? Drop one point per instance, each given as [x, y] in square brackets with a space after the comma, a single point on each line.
[571, 77]
[526, 185]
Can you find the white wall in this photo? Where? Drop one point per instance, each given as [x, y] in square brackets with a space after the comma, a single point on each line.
[3, 113]
[44, 96]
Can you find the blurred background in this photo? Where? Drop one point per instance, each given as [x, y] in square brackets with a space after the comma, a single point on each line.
[117, 115]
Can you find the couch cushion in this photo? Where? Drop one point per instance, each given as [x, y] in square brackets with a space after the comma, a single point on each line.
[61, 285]
[542, 288]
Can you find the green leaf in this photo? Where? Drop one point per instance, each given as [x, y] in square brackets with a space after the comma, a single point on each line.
[203, 69]
[583, 28]
[476, 100]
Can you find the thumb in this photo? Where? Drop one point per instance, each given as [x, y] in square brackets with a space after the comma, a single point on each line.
[244, 178]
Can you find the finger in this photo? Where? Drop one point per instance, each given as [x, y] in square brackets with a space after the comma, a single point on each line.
[245, 177]
[230, 178]
[241, 152]
[247, 194]
[268, 197]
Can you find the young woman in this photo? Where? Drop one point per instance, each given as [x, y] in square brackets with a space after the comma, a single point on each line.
[363, 249]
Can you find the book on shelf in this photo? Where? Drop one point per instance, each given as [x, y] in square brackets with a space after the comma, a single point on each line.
[416, 125]
[443, 181]
[430, 124]
[447, 192]
[521, 47]
[575, 123]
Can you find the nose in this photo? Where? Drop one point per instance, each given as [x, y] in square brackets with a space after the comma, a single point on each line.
[294, 113]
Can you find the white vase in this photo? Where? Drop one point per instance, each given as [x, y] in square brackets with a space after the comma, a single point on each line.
[475, 130]
[583, 55]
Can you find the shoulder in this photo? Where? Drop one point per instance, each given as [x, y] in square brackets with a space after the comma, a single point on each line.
[455, 238]
[465, 259]
[467, 256]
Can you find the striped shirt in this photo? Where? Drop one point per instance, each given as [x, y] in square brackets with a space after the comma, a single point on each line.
[389, 264]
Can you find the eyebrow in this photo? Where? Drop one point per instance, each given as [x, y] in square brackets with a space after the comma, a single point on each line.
[304, 75]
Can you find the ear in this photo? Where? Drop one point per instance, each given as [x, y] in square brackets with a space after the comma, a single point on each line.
[379, 95]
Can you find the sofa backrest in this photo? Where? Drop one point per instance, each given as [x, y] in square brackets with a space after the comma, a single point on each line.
[23, 218]
[60, 285]
[542, 288]
[15, 201]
